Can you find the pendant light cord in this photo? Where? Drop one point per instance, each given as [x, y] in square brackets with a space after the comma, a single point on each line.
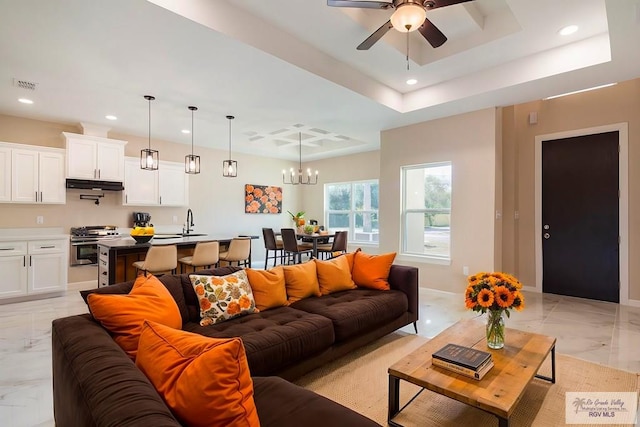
[192, 132]
[229, 139]
[300, 152]
[149, 98]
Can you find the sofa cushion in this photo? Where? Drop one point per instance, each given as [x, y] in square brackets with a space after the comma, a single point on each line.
[205, 381]
[301, 281]
[357, 311]
[173, 283]
[223, 297]
[372, 271]
[122, 315]
[275, 338]
[334, 275]
[190, 297]
[268, 287]
[283, 404]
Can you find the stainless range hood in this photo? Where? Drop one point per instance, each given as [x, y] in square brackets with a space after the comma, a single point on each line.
[88, 184]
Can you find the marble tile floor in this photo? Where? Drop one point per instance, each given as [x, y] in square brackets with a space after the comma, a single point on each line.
[600, 332]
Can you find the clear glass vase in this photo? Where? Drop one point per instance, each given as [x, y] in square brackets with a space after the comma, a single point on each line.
[495, 329]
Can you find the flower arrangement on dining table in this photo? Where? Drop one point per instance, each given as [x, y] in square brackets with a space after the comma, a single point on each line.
[494, 293]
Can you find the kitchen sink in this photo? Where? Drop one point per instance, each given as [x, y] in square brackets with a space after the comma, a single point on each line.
[176, 236]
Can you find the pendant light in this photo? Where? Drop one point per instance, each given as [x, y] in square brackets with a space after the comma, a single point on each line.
[191, 162]
[300, 179]
[149, 158]
[230, 167]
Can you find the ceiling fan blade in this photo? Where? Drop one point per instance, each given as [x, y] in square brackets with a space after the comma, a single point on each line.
[433, 35]
[434, 4]
[377, 35]
[360, 4]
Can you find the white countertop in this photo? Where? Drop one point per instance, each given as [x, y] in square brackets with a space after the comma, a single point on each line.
[41, 233]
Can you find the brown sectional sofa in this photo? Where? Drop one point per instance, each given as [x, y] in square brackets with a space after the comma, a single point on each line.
[96, 384]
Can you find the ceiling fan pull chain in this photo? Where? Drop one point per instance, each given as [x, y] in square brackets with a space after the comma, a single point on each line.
[407, 50]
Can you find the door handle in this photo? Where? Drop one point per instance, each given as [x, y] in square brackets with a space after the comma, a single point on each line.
[546, 235]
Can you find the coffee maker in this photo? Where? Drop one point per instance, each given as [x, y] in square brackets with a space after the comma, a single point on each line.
[141, 219]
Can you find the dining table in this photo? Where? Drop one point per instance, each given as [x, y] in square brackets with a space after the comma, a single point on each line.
[314, 237]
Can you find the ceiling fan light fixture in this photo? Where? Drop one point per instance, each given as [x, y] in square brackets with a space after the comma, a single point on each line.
[408, 17]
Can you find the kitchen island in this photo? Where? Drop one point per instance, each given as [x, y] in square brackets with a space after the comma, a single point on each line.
[116, 256]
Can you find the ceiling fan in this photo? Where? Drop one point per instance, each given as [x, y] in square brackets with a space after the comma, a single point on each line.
[409, 15]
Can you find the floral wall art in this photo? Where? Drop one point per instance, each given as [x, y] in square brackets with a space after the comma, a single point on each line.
[262, 199]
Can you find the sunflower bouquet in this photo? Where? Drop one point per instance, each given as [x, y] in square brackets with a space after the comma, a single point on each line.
[494, 293]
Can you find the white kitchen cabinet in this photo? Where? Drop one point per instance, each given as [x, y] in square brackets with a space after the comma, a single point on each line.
[13, 269]
[33, 267]
[140, 185]
[47, 266]
[94, 158]
[173, 184]
[5, 174]
[167, 186]
[37, 176]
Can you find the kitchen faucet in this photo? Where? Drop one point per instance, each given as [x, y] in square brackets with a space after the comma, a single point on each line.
[189, 223]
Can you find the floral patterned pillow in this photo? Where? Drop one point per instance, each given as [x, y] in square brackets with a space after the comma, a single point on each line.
[223, 297]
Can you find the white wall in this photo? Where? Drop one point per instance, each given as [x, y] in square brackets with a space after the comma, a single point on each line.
[469, 142]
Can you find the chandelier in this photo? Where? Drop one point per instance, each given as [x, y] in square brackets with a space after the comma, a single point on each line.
[296, 179]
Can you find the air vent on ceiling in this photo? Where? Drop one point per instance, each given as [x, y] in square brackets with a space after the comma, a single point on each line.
[25, 84]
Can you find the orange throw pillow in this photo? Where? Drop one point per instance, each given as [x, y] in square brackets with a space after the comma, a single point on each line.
[301, 281]
[268, 287]
[372, 271]
[205, 381]
[350, 257]
[334, 275]
[122, 315]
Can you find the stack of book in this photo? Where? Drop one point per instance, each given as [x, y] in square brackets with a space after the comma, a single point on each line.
[463, 360]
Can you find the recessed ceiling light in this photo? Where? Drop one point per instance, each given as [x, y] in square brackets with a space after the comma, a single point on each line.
[110, 117]
[569, 29]
[412, 81]
[186, 131]
[25, 101]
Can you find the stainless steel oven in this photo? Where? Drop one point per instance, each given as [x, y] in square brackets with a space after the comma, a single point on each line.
[84, 243]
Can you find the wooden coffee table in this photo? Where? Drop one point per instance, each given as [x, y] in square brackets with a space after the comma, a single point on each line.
[498, 392]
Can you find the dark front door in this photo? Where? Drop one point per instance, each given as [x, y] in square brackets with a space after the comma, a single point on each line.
[580, 216]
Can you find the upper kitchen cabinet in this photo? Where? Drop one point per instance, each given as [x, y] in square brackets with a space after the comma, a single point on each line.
[5, 174]
[94, 157]
[166, 186]
[173, 184]
[31, 174]
[140, 185]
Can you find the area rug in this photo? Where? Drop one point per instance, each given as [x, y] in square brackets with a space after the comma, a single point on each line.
[360, 382]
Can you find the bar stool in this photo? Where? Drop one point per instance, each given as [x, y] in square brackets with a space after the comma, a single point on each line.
[239, 251]
[271, 244]
[205, 254]
[159, 259]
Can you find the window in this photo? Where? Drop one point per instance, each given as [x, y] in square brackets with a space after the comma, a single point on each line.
[426, 210]
[353, 206]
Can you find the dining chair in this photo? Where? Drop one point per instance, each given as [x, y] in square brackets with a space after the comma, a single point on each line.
[159, 259]
[292, 250]
[339, 245]
[239, 251]
[205, 254]
[272, 244]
